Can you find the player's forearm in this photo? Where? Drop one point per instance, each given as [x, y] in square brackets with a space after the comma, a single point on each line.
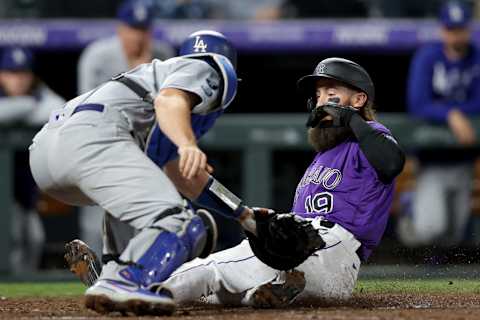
[198, 191]
[383, 153]
[217, 197]
[189, 188]
[173, 116]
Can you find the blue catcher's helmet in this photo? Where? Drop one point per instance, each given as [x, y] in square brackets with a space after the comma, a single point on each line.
[218, 50]
[209, 41]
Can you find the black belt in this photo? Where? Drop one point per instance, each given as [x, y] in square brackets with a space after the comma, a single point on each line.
[327, 224]
[89, 106]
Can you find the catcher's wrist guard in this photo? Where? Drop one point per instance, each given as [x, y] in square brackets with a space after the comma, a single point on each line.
[283, 241]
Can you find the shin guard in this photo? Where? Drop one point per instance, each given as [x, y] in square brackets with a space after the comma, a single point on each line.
[166, 253]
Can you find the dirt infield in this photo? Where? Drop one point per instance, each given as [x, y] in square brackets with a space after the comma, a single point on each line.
[361, 307]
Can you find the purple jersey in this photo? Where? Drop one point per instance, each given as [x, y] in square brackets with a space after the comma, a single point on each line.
[343, 187]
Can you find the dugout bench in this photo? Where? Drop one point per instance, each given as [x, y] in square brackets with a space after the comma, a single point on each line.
[257, 136]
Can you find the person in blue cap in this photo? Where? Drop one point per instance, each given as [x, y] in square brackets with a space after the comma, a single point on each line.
[130, 46]
[24, 99]
[444, 88]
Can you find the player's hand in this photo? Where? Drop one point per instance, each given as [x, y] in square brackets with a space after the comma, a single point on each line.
[209, 169]
[461, 127]
[192, 160]
[341, 114]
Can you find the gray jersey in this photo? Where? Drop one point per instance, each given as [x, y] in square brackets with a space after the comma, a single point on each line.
[90, 157]
[30, 109]
[105, 58]
[189, 74]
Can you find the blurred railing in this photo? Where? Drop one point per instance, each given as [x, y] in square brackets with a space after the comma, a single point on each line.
[256, 135]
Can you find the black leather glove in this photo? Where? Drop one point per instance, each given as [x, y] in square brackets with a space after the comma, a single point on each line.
[341, 114]
[283, 241]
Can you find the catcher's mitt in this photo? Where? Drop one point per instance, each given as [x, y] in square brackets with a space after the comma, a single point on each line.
[82, 261]
[283, 241]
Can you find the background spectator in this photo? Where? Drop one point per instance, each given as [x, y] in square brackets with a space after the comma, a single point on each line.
[24, 99]
[444, 87]
[130, 46]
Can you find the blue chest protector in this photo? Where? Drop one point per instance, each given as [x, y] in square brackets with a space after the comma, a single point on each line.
[161, 150]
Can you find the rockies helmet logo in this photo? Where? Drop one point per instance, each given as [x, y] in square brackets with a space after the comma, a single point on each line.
[321, 68]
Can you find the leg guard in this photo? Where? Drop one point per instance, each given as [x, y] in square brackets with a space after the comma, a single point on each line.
[167, 252]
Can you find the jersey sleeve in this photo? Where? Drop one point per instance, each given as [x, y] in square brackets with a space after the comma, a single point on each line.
[379, 127]
[379, 148]
[197, 77]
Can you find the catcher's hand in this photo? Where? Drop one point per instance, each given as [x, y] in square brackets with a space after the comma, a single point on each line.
[284, 240]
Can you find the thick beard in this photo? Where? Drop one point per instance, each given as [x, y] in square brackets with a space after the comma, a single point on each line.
[322, 139]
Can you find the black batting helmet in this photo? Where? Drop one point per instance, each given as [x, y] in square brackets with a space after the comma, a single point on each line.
[343, 70]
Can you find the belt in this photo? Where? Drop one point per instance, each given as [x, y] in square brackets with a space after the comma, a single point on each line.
[327, 224]
[89, 106]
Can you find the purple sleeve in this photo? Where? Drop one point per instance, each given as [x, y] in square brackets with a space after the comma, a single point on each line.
[379, 127]
[420, 99]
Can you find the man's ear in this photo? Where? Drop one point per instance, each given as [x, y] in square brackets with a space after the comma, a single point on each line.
[359, 99]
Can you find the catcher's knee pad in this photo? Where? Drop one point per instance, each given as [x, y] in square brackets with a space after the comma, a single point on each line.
[170, 250]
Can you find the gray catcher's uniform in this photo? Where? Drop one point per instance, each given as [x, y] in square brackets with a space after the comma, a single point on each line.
[88, 153]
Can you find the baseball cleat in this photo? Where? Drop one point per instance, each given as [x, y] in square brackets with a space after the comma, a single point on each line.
[212, 232]
[107, 296]
[277, 294]
[82, 261]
